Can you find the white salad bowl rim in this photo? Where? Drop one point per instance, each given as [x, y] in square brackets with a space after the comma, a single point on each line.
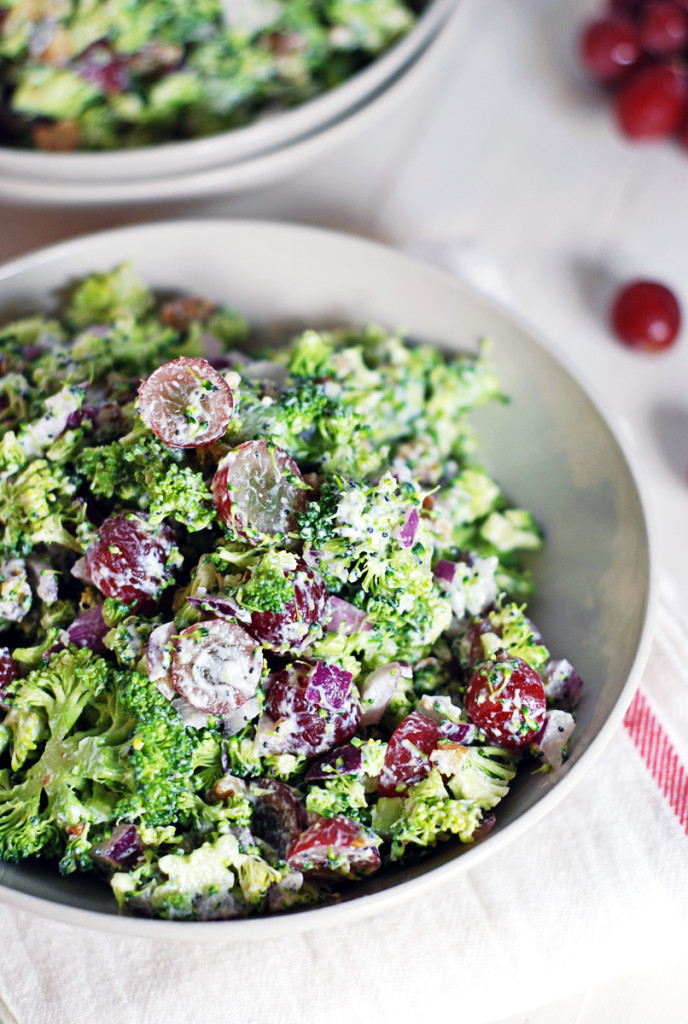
[393, 261]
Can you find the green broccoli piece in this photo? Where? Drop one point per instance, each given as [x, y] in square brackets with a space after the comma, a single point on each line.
[140, 469]
[104, 298]
[268, 589]
[90, 745]
[513, 528]
[37, 506]
[219, 879]
[511, 631]
[480, 774]
[344, 794]
[425, 816]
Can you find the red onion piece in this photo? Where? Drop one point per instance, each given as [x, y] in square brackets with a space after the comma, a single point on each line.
[407, 533]
[563, 685]
[446, 570]
[378, 688]
[345, 760]
[347, 618]
[222, 605]
[122, 850]
[89, 630]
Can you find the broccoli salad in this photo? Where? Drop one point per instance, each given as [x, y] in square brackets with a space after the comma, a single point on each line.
[263, 612]
[85, 75]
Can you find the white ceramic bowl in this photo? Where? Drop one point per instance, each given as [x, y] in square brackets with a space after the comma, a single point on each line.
[551, 449]
[397, 98]
[155, 163]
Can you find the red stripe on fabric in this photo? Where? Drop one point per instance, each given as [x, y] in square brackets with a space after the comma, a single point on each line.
[656, 750]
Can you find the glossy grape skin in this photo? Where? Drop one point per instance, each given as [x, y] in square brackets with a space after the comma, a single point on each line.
[608, 48]
[130, 560]
[319, 703]
[646, 315]
[258, 490]
[186, 403]
[663, 28]
[407, 759]
[506, 699]
[650, 103]
[335, 847]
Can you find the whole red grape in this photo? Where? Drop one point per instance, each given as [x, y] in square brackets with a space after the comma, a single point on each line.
[650, 103]
[646, 315]
[608, 48]
[663, 28]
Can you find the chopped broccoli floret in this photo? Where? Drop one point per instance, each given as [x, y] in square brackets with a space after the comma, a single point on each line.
[217, 880]
[90, 744]
[425, 816]
[481, 774]
[37, 506]
[104, 298]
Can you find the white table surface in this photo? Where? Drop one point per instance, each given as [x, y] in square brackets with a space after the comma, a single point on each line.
[508, 155]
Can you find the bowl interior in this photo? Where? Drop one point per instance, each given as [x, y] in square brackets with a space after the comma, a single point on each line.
[550, 448]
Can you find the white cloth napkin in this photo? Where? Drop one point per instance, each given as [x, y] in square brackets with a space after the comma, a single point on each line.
[594, 891]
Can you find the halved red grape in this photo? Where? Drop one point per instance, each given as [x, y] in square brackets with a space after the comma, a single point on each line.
[407, 759]
[663, 28]
[217, 666]
[649, 105]
[336, 847]
[186, 403]
[608, 48]
[291, 629]
[506, 699]
[646, 315]
[104, 68]
[279, 813]
[9, 671]
[132, 561]
[288, 630]
[318, 702]
[257, 490]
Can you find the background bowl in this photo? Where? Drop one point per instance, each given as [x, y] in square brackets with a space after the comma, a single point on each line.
[269, 132]
[550, 448]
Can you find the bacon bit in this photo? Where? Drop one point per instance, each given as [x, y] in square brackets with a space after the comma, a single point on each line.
[226, 788]
[58, 137]
[75, 830]
[282, 43]
[59, 50]
[181, 312]
[156, 58]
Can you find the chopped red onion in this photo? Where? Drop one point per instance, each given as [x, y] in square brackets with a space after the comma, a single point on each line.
[222, 605]
[446, 570]
[346, 618]
[158, 652]
[89, 630]
[345, 760]
[551, 741]
[378, 688]
[407, 533]
[80, 571]
[563, 685]
[122, 850]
